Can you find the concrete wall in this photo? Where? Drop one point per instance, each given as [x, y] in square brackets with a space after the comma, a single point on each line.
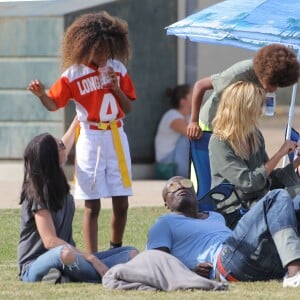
[29, 44]
[28, 50]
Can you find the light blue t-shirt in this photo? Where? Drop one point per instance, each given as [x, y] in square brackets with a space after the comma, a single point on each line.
[190, 240]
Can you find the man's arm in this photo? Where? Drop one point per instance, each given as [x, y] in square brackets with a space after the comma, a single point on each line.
[203, 269]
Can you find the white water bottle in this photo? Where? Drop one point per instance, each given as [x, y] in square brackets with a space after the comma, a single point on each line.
[270, 104]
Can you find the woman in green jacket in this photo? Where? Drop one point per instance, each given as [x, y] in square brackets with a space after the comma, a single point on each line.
[238, 155]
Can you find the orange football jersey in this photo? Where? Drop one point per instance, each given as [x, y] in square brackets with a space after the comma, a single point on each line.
[81, 83]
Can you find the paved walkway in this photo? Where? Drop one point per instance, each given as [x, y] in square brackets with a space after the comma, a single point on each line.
[146, 192]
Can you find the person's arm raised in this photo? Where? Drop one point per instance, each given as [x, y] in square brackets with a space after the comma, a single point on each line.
[69, 136]
[201, 86]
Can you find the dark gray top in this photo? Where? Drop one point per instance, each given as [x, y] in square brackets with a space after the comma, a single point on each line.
[30, 245]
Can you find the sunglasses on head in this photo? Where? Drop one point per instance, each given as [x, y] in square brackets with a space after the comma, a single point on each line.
[174, 186]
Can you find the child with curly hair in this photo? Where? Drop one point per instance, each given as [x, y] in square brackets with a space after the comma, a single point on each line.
[273, 66]
[103, 163]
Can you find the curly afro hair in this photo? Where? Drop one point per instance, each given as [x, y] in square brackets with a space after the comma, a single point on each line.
[95, 32]
[276, 65]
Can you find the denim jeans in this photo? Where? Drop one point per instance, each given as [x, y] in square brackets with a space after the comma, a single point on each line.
[80, 271]
[260, 247]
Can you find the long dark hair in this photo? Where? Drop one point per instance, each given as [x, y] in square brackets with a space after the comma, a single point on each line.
[44, 181]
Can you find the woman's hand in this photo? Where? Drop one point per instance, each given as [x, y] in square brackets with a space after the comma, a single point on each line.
[99, 266]
[287, 147]
[194, 131]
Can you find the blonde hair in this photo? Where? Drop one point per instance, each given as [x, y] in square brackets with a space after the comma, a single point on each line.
[236, 119]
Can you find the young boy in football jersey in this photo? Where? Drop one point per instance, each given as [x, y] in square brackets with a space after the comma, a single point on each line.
[103, 164]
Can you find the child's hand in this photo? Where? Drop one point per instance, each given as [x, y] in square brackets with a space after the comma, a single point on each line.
[114, 78]
[194, 131]
[37, 88]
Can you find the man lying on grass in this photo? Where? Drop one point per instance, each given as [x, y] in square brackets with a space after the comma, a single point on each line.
[264, 245]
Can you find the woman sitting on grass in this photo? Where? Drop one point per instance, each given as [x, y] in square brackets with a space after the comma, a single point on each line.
[47, 212]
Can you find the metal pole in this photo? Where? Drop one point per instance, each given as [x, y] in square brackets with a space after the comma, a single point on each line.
[291, 116]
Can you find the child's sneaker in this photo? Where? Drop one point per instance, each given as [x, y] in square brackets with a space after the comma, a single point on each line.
[293, 281]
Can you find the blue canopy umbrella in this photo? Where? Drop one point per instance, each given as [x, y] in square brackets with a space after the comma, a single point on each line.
[249, 24]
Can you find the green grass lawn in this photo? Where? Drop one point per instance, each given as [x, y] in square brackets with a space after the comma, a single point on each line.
[139, 220]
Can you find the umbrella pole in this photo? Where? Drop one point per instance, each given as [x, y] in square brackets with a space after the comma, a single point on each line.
[291, 117]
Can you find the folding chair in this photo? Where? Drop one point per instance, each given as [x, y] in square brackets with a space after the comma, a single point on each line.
[200, 159]
[217, 194]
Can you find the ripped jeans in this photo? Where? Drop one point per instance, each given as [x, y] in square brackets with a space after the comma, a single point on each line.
[80, 271]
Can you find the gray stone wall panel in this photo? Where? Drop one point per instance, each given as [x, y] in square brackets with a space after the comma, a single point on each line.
[23, 106]
[39, 36]
[19, 72]
[14, 148]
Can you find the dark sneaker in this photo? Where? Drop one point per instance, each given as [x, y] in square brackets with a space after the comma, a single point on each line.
[64, 279]
[53, 276]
